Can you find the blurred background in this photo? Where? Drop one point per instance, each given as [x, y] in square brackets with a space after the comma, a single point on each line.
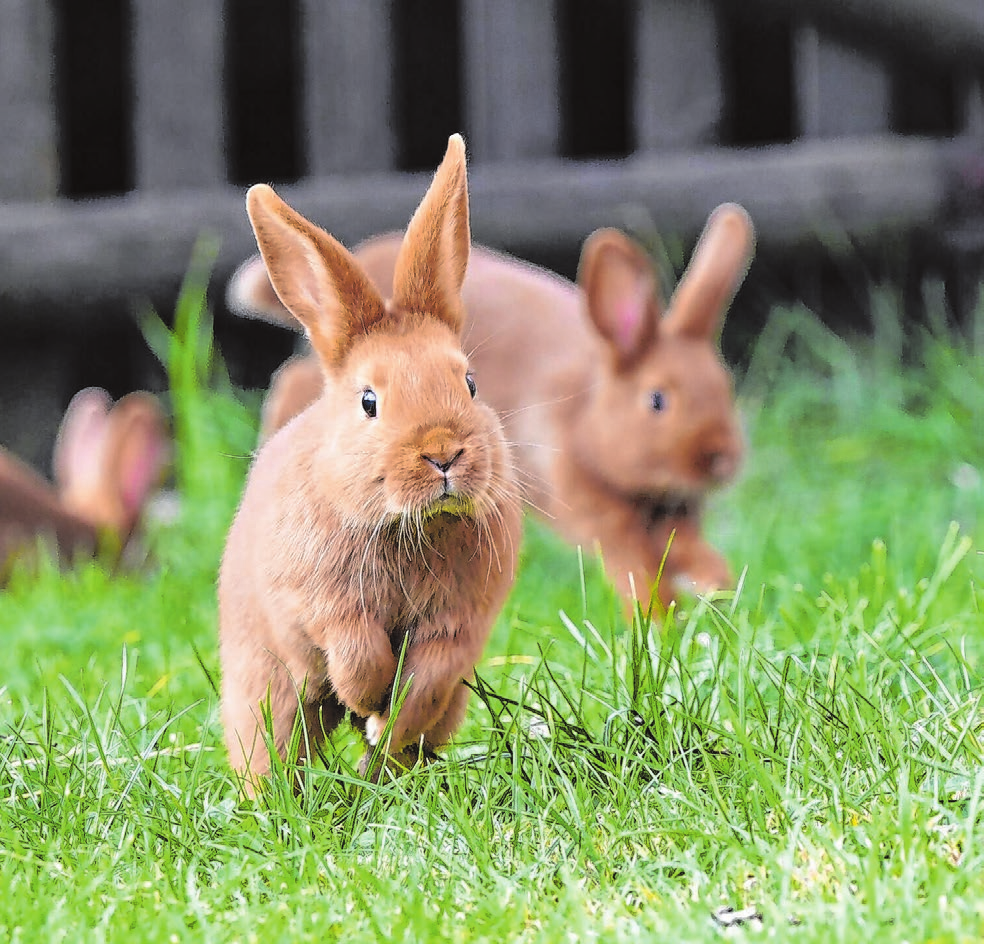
[852, 131]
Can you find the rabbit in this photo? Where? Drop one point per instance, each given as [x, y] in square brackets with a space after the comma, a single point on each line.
[382, 520]
[107, 462]
[623, 416]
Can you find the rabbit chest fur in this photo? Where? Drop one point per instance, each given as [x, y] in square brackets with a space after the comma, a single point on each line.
[315, 570]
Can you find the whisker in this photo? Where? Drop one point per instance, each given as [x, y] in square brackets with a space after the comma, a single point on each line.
[497, 513]
[509, 414]
[475, 348]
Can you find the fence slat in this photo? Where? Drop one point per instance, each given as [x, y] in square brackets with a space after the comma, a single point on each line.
[972, 106]
[179, 114]
[511, 79]
[347, 80]
[678, 93]
[28, 156]
[840, 91]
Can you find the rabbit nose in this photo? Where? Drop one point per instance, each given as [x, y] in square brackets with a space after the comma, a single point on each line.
[442, 462]
[720, 465]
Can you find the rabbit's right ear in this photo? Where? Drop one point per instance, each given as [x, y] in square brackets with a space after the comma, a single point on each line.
[137, 450]
[314, 275]
[716, 269]
[620, 288]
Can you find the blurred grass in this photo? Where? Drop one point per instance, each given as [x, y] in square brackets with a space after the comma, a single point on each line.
[808, 747]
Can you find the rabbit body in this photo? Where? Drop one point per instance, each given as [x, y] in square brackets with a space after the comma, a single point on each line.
[361, 533]
[575, 372]
[30, 509]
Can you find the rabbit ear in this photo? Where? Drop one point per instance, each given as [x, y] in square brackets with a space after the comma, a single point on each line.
[79, 444]
[107, 461]
[314, 275]
[137, 450]
[430, 268]
[716, 269]
[250, 294]
[620, 288]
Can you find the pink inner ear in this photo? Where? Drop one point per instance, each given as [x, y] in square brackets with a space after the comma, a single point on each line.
[629, 313]
[139, 476]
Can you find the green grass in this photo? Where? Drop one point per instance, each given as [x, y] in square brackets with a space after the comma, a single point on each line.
[809, 747]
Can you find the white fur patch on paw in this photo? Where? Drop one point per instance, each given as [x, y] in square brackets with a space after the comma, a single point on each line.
[684, 583]
[374, 729]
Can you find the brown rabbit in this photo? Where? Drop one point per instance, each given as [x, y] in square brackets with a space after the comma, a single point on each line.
[623, 417]
[383, 516]
[108, 459]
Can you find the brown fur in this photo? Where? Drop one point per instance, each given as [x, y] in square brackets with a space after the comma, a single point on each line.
[107, 462]
[340, 552]
[571, 369]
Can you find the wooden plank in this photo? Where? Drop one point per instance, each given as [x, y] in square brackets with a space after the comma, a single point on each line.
[28, 144]
[118, 249]
[841, 91]
[678, 92]
[511, 79]
[348, 63]
[948, 30]
[178, 107]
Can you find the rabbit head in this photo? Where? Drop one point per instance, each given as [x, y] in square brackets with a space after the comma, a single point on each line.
[660, 417]
[403, 431]
[108, 459]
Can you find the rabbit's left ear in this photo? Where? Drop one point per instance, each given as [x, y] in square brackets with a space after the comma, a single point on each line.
[716, 269]
[432, 261]
[620, 289]
[80, 441]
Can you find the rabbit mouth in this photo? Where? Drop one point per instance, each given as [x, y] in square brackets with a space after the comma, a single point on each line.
[656, 509]
[453, 503]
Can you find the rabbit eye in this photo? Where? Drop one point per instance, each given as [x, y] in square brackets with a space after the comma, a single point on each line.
[470, 380]
[369, 402]
[657, 400]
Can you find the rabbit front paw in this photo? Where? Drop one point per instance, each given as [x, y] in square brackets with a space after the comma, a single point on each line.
[375, 725]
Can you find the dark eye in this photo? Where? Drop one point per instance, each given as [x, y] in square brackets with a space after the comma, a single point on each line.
[470, 380]
[369, 402]
[657, 400]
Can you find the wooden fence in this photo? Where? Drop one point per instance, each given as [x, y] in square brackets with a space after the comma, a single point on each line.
[130, 126]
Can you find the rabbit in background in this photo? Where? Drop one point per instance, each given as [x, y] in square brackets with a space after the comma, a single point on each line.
[384, 519]
[621, 411]
[108, 461]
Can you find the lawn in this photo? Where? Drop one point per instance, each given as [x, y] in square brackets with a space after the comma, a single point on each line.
[806, 751]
